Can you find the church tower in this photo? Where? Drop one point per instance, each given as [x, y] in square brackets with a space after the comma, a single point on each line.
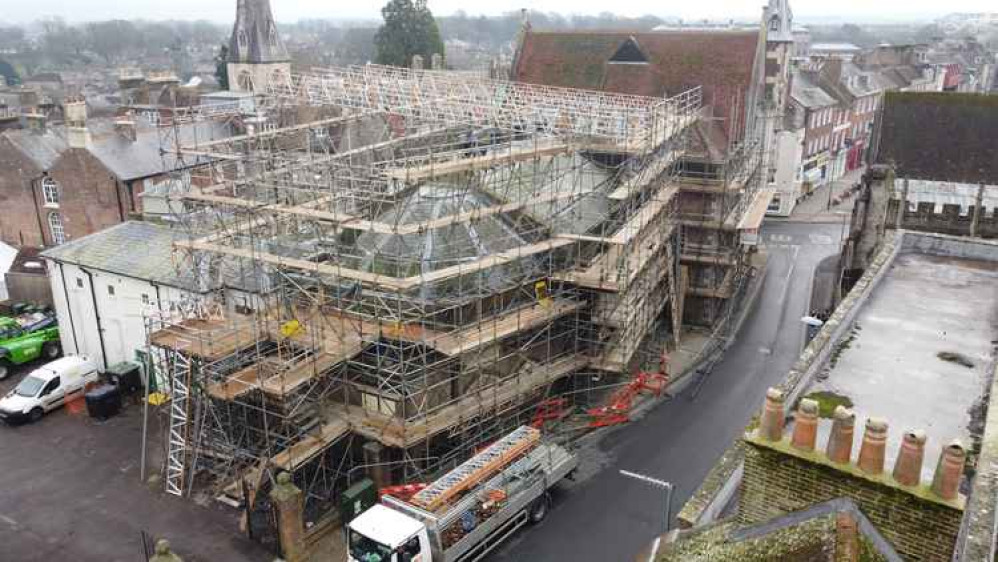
[256, 53]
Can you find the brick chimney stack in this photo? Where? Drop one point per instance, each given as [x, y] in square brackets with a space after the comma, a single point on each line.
[872, 451]
[805, 425]
[946, 481]
[908, 466]
[839, 448]
[771, 425]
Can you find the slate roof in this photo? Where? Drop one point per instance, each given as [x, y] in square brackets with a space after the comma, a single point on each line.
[719, 61]
[126, 159]
[254, 36]
[140, 250]
[143, 250]
[940, 136]
[808, 94]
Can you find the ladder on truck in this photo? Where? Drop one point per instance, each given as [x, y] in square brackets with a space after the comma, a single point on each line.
[480, 467]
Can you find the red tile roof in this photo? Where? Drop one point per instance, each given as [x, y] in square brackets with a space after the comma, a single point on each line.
[719, 61]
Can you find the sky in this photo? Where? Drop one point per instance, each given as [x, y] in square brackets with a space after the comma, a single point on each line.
[291, 10]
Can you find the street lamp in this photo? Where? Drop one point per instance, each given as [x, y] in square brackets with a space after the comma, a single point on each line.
[660, 484]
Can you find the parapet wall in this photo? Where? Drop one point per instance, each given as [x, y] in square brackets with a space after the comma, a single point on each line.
[953, 219]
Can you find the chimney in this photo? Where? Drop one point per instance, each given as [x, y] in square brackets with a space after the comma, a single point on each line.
[805, 425]
[771, 425]
[946, 481]
[125, 126]
[871, 452]
[34, 122]
[839, 447]
[908, 467]
[75, 115]
[417, 62]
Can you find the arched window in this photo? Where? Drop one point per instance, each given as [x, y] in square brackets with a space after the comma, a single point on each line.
[56, 228]
[241, 38]
[774, 24]
[50, 191]
[273, 34]
[245, 81]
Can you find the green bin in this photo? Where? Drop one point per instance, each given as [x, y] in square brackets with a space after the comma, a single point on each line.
[357, 499]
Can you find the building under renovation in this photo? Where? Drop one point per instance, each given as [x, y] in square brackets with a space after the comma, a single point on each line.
[433, 261]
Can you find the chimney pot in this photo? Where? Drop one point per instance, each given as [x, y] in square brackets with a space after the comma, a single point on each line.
[771, 426]
[805, 425]
[908, 467]
[871, 452]
[417, 62]
[946, 481]
[839, 447]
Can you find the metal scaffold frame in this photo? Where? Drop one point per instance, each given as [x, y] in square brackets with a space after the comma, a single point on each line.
[379, 262]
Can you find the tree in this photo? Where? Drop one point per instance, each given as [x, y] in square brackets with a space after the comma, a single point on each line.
[222, 68]
[8, 73]
[409, 29]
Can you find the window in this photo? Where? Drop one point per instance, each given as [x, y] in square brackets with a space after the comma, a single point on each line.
[50, 190]
[79, 282]
[110, 290]
[145, 298]
[410, 550]
[56, 229]
[52, 385]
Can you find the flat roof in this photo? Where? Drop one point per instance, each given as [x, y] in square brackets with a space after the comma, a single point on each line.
[920, 350]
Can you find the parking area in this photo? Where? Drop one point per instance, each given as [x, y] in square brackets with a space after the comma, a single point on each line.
[70, 490]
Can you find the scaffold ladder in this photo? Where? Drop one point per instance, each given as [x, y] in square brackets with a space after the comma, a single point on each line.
[478, 468]
[176, 460]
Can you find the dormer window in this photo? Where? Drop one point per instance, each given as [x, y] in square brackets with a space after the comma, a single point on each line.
[629, 53]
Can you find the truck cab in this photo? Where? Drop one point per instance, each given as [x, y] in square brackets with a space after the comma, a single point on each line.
[382, 534]
[26, 338]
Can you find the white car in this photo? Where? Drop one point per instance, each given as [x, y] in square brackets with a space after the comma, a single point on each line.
[48, 388]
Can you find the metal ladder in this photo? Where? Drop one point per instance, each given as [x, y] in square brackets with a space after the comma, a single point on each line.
[477, 468]
[176, 460]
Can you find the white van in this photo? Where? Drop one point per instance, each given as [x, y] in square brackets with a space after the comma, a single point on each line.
[48, 388]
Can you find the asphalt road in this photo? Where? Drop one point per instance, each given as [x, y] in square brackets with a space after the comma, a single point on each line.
[605, 517]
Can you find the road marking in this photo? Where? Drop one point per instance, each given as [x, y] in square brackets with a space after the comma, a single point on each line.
[765, 351]
[781, 238]
[8, 520]
[820, 239]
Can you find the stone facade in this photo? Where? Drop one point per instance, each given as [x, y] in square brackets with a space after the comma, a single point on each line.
[779, 479]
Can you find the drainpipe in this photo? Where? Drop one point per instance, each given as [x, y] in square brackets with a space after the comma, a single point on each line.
[100, 329]
[69, 308]
[38, 212]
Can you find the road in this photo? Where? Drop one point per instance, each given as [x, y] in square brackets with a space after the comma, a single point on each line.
[605, 517]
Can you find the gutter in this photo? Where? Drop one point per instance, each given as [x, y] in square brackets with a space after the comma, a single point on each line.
[100, 329]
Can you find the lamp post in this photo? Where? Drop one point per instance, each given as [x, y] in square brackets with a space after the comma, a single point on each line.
[660, 484]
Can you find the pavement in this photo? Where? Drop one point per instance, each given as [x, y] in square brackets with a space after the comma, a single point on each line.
[820, 206]
[605, 517]
[70, 490]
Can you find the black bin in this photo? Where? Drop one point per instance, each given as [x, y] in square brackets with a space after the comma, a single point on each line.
[104, 402]
[125, 376]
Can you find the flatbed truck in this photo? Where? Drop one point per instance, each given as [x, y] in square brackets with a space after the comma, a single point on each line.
[469, 511]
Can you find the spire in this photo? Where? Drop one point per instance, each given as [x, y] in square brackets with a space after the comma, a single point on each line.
[779, 22]
[254, 36]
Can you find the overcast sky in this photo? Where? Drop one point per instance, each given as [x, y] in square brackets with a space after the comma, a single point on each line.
[291, 10]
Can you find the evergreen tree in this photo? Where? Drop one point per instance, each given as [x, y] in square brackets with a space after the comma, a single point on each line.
[409, 29]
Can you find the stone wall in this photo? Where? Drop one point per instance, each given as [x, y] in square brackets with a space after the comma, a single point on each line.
[779, 479]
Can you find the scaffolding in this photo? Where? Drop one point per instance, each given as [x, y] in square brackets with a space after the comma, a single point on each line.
[410, 259]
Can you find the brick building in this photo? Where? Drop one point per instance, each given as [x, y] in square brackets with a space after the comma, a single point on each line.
[819, 113]
[744, 76]
[60, 183]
